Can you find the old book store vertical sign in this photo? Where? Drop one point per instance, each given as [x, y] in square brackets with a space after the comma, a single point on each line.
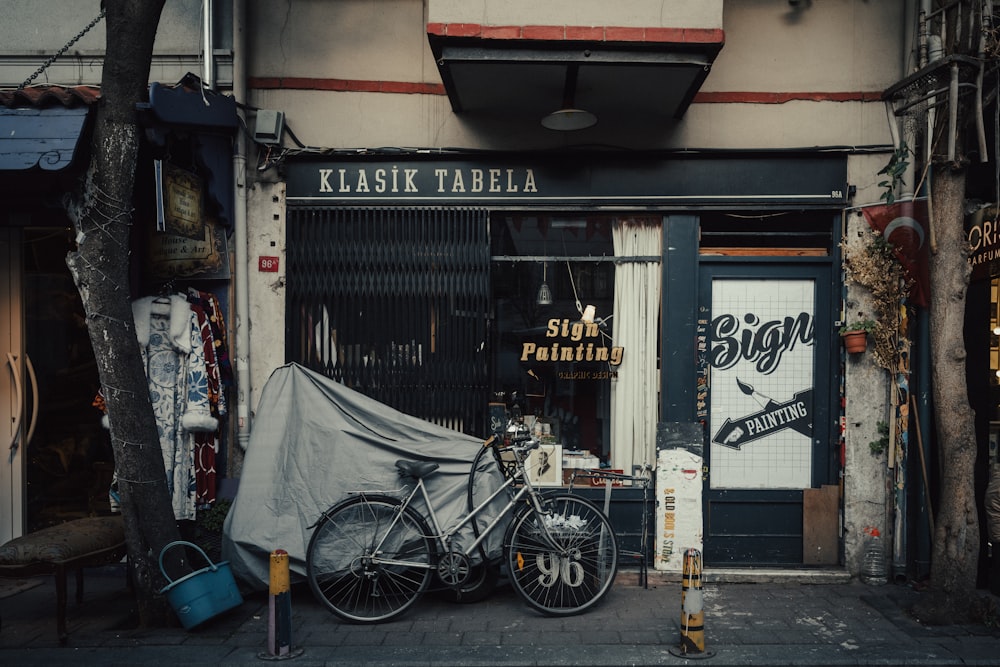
[186, 242]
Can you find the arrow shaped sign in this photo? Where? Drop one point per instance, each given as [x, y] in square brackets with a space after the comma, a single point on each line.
[775, 417]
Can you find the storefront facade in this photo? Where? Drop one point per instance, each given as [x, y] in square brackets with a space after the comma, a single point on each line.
[619, 302]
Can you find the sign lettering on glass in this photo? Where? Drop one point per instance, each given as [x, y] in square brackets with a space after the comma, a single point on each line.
[574, 347]
[760, 351]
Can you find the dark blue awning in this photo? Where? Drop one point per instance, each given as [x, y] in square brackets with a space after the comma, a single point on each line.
[188, 103]
[45, 138]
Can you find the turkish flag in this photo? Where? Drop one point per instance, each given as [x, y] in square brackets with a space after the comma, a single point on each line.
[904, 226]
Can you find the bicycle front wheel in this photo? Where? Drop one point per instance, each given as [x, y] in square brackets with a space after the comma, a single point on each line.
[369, 559]
[562, 561]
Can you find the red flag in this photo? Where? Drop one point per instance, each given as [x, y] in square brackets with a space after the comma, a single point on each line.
[904, 226]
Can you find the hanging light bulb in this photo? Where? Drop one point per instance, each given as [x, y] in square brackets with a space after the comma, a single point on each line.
[568, 118]
[544, 293]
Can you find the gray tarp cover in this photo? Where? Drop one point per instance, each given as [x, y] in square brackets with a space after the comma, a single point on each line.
[313, 442]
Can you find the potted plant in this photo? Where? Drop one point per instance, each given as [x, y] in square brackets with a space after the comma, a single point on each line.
[870, 263]
[855, 334]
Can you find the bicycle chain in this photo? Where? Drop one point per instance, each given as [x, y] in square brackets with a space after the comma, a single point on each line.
[61, 51]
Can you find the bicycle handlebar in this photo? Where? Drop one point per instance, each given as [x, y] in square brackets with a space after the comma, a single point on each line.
[517, 442]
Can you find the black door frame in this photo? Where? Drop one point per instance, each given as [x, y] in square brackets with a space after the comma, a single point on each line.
[765, 527]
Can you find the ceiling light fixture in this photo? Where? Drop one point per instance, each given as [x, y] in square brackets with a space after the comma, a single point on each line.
[569, 118]
[544, 297]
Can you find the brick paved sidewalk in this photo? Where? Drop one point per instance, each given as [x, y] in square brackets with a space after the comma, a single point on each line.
[745, 623]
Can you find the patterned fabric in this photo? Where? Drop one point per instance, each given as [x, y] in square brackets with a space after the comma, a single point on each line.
[182, 339]
[216, 398]
[210, 304]
[64, 542]
[174, 357]
[207, 444]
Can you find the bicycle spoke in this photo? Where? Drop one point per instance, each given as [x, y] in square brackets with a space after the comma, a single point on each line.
[368, 560]
[575, 569]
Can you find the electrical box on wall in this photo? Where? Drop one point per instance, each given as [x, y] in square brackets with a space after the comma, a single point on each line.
[269, 127]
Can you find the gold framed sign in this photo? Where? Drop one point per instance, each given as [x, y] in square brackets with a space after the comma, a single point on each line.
[179, 195]
[177, 256]
[184, 243]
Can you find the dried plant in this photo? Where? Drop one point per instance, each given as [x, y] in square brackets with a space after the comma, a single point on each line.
[871, 263]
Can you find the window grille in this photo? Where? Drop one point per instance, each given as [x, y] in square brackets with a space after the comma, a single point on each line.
[394, 303]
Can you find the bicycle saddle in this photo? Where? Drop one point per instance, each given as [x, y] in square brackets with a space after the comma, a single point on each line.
[416, 469]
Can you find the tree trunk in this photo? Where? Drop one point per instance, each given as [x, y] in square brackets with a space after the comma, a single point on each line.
[955, 553]
[102, 215]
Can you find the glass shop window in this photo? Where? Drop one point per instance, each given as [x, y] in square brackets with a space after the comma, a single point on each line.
[555, 353]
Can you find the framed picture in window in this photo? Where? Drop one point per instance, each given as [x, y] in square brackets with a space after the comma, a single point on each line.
[544, 465]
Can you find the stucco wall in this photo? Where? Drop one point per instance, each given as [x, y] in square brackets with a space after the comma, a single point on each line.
[32, 31]
[824, 57]
[265, 238]
[829, 46]
[867, 481]
[383, 40]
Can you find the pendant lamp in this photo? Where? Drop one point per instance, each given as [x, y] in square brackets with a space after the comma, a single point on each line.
[569, 118]
[544, 297]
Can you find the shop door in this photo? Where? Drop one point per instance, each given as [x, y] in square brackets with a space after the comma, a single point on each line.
[768, 436]
[11, 388]
[59, 464]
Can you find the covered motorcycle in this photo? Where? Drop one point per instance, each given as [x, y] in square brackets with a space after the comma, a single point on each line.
[314, 442]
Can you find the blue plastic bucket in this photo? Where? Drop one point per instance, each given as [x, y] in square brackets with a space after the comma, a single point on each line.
[201, 595]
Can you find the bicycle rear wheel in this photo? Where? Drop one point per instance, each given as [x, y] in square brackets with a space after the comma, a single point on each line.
[369, 559]
[574, 570]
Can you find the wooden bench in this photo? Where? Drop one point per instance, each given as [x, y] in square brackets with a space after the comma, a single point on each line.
[67, 547]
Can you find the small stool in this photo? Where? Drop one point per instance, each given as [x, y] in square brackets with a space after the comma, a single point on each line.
[67, 547]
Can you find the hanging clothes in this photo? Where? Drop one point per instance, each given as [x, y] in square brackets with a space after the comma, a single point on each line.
[173, 353]
[217, 324]
[206, 445]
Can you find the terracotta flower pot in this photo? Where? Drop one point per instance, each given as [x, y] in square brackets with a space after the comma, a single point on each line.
[855, 341]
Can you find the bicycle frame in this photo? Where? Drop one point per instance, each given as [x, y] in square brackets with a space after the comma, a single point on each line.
[442, 537]
[373, 554]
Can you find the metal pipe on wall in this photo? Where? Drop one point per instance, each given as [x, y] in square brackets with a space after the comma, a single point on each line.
[242, 337]
[207, 47]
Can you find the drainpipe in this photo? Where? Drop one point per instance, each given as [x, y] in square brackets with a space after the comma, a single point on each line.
[240, 231]
[207, 48]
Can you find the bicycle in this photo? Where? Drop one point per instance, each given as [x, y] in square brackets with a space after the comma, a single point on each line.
[372, 555]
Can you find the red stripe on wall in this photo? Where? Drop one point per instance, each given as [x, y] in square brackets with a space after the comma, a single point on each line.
[345, 85]
[743, 97]
[410, 88]
[580, 33]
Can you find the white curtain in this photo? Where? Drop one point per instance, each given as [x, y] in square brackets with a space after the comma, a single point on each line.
[635, 394]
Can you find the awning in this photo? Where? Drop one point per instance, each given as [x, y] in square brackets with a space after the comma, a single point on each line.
[46, 138]
[189, 103]
[651, 75]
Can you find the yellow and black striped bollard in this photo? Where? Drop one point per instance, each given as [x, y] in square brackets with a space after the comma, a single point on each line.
[279, 619]
[692, 643]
